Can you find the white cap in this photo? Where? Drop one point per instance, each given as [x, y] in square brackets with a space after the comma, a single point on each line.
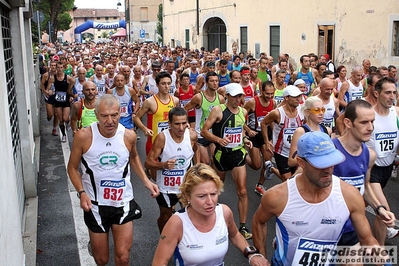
[234, 89]
[292, 90]
[299, 81]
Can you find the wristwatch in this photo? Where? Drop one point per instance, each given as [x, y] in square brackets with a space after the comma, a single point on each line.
[80, 193]
[250, 250]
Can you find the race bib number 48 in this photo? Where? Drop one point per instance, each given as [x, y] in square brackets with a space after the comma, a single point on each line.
[312, 252]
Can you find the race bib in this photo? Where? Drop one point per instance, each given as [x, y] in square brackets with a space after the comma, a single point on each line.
[172, 178]
[327, 122]
[356, 181]
[278, 99]
[60, 96]
[101, 89]
[385, 143]
[124, 109]
[287, 136]
[112, 192]
[309, 252]
[234, 134]
[356, 95]
[162, 126]
[258, 123]
[247, 98]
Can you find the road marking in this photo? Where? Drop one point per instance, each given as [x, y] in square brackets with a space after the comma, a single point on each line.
[82, 234]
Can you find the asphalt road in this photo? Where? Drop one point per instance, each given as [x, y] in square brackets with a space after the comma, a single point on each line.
[62, 235]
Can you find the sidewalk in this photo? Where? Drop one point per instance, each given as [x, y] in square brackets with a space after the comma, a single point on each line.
[56, 234]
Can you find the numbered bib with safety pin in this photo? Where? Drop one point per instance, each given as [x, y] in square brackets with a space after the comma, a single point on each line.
[60, 96]
[112, 192]
[287, 136]
[385, 143]
[310, 252]
[234, 134]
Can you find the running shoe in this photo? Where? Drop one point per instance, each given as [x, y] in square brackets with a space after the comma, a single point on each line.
[89, 249]
[245, 232]
[268, 170]
[68, 125]
[392, 233]
[63, 138]
[259, 189]
[54, 132]
[138, 137]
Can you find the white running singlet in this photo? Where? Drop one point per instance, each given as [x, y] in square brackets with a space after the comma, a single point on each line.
[202, 249]
[168, 181]
[303, 228]
[106, 171]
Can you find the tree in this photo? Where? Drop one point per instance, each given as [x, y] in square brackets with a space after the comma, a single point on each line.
[57, 13]
[160, 23]
[104, 35]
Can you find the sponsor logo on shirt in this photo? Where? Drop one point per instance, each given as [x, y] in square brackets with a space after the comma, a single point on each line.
[329, 220]
[387, 135]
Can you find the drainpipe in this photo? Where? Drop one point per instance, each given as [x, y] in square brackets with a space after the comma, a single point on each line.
[197, 17]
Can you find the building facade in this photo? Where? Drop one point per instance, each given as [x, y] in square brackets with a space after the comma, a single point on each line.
[349, 31]
[19, 138]
[141, 20]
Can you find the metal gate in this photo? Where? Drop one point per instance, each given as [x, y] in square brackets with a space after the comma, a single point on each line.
[12, 106]
[216, 31]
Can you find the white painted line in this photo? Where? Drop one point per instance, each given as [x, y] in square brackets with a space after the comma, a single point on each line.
[82, 234]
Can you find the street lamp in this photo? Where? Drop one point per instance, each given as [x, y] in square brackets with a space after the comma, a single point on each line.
[118, 5]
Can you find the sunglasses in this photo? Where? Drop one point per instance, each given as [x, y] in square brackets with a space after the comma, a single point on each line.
[317, 110]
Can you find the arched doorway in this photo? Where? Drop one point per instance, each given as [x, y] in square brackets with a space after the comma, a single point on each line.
[215, 34]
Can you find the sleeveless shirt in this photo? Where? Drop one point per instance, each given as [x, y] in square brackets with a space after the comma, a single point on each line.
[283, 131]
[353, 171]
[168, 181]
[202, 249]
[106, 171]
[384, 139]
[303, 228]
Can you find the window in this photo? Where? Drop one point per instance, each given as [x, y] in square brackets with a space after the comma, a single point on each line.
[115, 17]
[187, 39]
[244, 39]
[143, 13]
[395, 38]
[98, 18]
[106, 18]
[326, 40]
[274, 41]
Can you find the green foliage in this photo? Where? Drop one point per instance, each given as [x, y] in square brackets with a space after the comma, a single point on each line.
[160, 23]
[57, 12]
[105, 35]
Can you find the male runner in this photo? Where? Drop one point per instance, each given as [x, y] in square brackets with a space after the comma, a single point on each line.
[170, 156]
[106, 152]
[63, 85]
[257, 109]
[203, 103]
[157, 109]
[83, 114]
[227, 123]
[128, 99]
[310, 208]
